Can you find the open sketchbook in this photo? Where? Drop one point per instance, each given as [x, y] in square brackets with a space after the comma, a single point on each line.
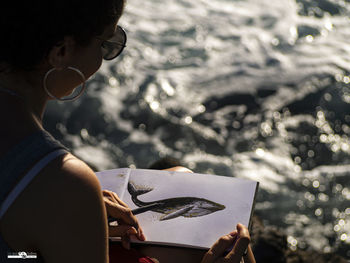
[191, 210]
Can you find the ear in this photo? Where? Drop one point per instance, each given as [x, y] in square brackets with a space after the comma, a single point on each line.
[60, 54]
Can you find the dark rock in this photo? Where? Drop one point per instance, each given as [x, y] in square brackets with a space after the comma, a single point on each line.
[270, 245]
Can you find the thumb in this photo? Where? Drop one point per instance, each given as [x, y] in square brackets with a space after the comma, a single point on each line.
[121, 230]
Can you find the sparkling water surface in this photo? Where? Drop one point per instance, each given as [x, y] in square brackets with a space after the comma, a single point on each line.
[255, 89]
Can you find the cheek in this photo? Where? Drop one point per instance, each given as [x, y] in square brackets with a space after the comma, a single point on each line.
[94, 65]
[96, 57]
[90, 60]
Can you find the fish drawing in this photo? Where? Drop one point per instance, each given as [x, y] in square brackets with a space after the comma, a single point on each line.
[174, 207]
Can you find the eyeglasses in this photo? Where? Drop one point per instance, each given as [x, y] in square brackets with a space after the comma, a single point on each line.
[112, 47]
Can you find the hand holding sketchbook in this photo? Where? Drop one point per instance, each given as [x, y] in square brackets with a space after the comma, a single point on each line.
[181, 209]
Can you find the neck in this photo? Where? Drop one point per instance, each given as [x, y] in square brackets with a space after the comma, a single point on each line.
[28, 92]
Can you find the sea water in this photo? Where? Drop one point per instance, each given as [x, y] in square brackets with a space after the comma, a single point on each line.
[255, 89]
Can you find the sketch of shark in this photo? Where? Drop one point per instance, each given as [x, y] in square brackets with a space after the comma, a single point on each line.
[175, 207]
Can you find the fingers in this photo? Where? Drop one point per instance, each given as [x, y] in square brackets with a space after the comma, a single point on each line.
[120, 231]
[241, 245]
[242, 231]
[218, 249]
[114, 197]
[119, 210]
[141, 236]
[124, 232]
[238, 250]
[237, 243]
[249, 258]
[121, 213]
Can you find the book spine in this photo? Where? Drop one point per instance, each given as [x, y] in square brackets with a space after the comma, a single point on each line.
[125, 186]
[253, 207]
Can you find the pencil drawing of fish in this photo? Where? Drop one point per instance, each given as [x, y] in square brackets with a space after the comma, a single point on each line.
[174, 207]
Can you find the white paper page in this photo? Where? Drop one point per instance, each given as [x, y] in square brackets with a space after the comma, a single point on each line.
[115, 180]
[237, 195]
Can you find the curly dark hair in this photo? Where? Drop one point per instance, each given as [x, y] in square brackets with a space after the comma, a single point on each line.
[29, 29]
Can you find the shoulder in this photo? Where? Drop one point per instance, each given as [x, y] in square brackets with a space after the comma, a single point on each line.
[67, 179]
[74, 212]
[64, 212]
[72, 172]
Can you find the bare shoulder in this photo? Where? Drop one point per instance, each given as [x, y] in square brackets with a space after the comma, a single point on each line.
[67, 180]
[73, 172]
[66, 218]
[75, 214]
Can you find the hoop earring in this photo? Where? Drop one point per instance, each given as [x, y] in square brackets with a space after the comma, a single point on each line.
[67, 99]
